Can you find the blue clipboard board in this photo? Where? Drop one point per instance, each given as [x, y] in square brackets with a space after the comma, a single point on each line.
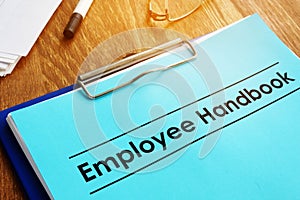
[27, 176]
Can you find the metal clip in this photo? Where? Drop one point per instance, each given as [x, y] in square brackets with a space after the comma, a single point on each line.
[97, 74]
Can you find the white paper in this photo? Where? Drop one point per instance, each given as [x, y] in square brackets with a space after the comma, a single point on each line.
[21, 22]
[7, 68]
[3, 66]
[1, 2]
[8, 58]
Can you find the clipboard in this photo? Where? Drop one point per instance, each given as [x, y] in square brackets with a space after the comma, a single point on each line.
[23, 169]
[239, 158]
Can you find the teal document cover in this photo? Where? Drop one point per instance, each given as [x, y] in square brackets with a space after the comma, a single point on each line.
[223, 126]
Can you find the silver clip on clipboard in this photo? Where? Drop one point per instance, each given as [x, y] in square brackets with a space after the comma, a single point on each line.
[98, 74]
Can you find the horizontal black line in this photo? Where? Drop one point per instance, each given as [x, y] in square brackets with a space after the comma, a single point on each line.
[194, 141]
[138, 127]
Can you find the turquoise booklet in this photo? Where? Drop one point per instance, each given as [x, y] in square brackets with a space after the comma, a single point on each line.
[224, 125]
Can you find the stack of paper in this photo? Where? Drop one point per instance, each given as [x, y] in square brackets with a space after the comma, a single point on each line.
[21, 22]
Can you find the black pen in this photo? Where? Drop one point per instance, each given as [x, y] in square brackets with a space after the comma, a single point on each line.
[78, 15]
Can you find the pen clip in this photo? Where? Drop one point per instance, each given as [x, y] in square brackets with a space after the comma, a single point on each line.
[97, 74]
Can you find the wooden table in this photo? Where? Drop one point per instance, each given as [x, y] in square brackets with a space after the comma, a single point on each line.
[53, 62]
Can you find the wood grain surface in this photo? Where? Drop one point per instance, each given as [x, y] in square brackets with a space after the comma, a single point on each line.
[54, 62]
